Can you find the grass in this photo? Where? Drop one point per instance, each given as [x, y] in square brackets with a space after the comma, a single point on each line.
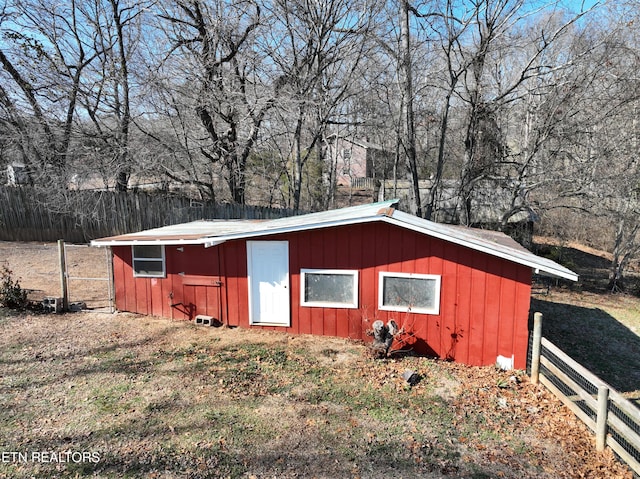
[601, 335]
[152, 398]
[598, 329]
[190, 408]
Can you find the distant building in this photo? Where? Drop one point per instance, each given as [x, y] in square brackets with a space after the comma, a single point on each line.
[17, 174]
[357, 161]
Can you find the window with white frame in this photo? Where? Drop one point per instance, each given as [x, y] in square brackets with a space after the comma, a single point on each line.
[148, 261]
[329, 288]
[409, 292]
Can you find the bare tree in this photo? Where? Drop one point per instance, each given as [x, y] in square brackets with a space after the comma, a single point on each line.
[397, 38]
[408, 140]
[231, 99]
[626, 245]
[578, 150]
[491, 86]
[48, 51]
[107, 95]
[68, 65]
[123, 15]
[449, 29]
[615, 138]
[317, 48]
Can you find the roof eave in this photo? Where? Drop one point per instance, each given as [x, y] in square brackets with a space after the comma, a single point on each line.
[385, 213]
[147, 242]
[570, 275]
[552, 270]
[214, 241]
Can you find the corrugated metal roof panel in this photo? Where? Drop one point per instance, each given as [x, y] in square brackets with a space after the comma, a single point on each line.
[213, 232]
[194, 232]
[490, 242]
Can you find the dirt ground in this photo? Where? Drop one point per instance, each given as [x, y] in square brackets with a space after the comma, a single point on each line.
[37, 268]
[160, 398]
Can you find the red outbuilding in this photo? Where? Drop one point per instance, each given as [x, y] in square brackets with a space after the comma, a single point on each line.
[459, 293]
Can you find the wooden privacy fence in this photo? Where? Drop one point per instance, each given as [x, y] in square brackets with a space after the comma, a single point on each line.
[33, 214]
[614, 419]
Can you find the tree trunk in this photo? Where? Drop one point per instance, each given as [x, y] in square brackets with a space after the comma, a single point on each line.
[625, 248]
[409, 136]
[297, 164]
[435, 185]
[57, 160]
[123, 106]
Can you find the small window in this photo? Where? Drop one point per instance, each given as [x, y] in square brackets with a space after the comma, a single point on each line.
[417, 293]
[148, 261]
[329, 288]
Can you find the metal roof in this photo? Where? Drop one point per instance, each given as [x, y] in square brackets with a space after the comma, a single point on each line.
[213, 232]
[491, 242]
[195, 232]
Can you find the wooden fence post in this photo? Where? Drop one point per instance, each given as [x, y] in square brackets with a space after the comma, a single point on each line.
[63, 276]
[536, 348]
[601, 420]
[111, 279]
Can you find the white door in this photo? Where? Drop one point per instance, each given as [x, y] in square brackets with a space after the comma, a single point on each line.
[268, 270]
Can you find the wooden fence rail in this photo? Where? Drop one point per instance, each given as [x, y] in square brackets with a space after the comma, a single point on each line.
[614, 419]
[31, 214]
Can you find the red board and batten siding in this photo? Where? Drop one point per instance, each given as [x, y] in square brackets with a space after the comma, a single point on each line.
[192, 283]
[484, 300]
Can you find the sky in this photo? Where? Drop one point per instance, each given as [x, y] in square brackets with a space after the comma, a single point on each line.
[579, 5]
